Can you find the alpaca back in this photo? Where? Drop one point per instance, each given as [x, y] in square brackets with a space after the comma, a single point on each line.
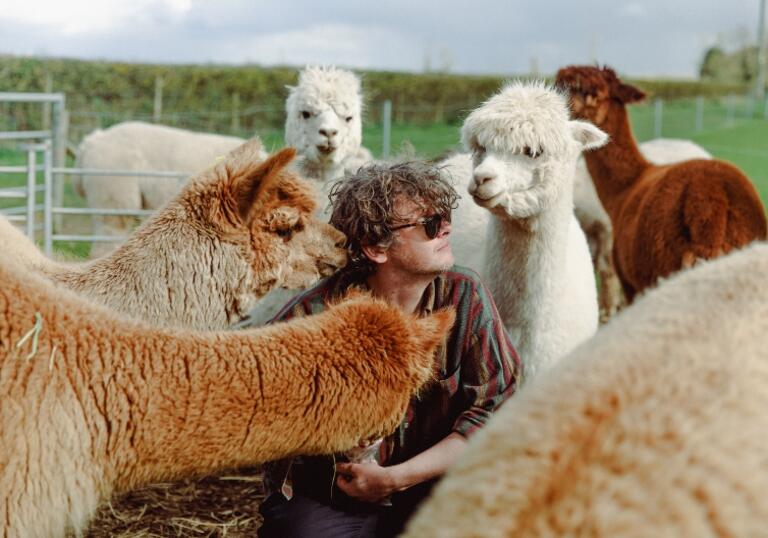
[18, 246]
[655, 427]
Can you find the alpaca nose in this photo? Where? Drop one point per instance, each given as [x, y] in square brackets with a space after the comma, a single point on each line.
[329, 133]
[483, 177]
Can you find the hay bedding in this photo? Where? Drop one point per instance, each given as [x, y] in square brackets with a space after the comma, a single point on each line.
[223, 505]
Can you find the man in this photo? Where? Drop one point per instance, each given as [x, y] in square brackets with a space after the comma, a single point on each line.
[397, 221]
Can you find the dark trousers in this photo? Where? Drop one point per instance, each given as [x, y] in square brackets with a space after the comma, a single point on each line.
[304, 517]
[315, 512]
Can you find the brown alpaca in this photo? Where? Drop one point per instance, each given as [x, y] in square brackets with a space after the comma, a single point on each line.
[664, 217]
[92, 403]
[235, 232]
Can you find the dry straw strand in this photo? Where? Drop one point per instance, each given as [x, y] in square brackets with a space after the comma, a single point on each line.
[34, 332]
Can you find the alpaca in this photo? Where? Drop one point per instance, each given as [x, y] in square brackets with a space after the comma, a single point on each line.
[537, 265]
[469, 220]
[18, 246]
[92, 403]
[597, 224]
[136, 145]
[648, 429]
[664, 218]
[323, 121]
[235, 232]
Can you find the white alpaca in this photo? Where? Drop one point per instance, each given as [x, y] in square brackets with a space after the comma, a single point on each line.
[655, 427]
[323, 121]
[596, 223]
[469, 221]
[140, 146]
[537, 263]
[235, 232]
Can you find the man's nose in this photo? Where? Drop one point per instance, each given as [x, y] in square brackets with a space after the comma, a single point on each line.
[445, 228]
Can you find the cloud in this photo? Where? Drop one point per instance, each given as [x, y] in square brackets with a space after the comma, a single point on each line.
[633, 10]
[642, 38]
[81, 17]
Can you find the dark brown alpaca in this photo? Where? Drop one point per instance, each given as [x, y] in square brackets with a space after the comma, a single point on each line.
[664, 217]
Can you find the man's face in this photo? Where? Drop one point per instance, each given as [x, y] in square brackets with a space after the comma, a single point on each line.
[413, 251]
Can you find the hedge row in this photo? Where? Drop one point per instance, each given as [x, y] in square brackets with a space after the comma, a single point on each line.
[231, 98]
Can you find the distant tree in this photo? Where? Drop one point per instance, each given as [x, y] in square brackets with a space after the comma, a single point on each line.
[711, 65]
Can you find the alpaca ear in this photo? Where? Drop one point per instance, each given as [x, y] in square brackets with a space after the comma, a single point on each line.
[433, 329]
[249, 185]
[587, 135]
[629, 94]
[250, 149]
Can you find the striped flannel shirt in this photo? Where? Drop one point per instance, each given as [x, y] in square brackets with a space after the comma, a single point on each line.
[477, 368]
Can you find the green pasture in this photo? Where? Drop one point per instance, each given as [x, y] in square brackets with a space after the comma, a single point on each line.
[724, 130]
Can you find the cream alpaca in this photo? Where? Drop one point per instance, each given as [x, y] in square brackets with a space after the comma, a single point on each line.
[92, 403]
[537, 263]
[655, 427]
[140, 146]
[597, 224]
[235, 232]
[323, 121]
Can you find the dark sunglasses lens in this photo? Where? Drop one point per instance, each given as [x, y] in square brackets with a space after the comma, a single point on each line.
[432, 225]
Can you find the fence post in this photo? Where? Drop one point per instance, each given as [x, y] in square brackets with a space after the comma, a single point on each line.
[158, 111]
[31, 194]
[658, 118]
[386, 115]
[47, 200]
[699, 113]
[730, 105]
[48, 88]
[236, 112]
[60, 137]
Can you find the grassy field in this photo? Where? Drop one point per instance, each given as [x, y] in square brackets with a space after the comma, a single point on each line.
[724, 132]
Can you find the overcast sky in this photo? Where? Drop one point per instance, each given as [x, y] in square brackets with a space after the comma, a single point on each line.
[638, 38]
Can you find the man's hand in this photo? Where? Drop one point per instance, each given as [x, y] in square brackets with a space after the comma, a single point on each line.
[368, 482]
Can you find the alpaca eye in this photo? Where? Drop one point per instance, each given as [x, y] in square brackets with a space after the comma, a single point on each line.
[530, 152]
[348, 118]
[285, 233]
[305, 114]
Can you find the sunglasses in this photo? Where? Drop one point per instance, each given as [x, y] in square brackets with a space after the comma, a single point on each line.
[432, 224]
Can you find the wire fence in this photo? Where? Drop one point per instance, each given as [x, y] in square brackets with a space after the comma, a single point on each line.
[680, 118]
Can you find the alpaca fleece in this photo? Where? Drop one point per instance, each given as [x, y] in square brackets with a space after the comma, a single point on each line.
[140, 146]
[92, 403]
[537, 262]
[235, 232]
[664, 218]
[654, 427]
[597, 224]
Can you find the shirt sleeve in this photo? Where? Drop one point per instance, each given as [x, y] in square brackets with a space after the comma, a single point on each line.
[491, 368]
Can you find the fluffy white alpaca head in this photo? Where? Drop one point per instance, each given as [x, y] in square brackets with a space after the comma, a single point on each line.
[323, 115]
[524, 148]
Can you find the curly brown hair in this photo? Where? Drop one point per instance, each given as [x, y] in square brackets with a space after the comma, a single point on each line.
[364, 203]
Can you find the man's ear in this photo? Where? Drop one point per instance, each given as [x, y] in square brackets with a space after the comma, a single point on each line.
[375, 253]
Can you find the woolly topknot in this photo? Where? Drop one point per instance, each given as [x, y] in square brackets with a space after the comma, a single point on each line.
[522, 114]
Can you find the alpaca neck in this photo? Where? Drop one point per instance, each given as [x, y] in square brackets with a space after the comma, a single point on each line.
[324, 172]
[616, 166]
[528, 264]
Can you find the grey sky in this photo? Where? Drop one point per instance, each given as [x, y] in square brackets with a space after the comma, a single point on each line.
[638, 38]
